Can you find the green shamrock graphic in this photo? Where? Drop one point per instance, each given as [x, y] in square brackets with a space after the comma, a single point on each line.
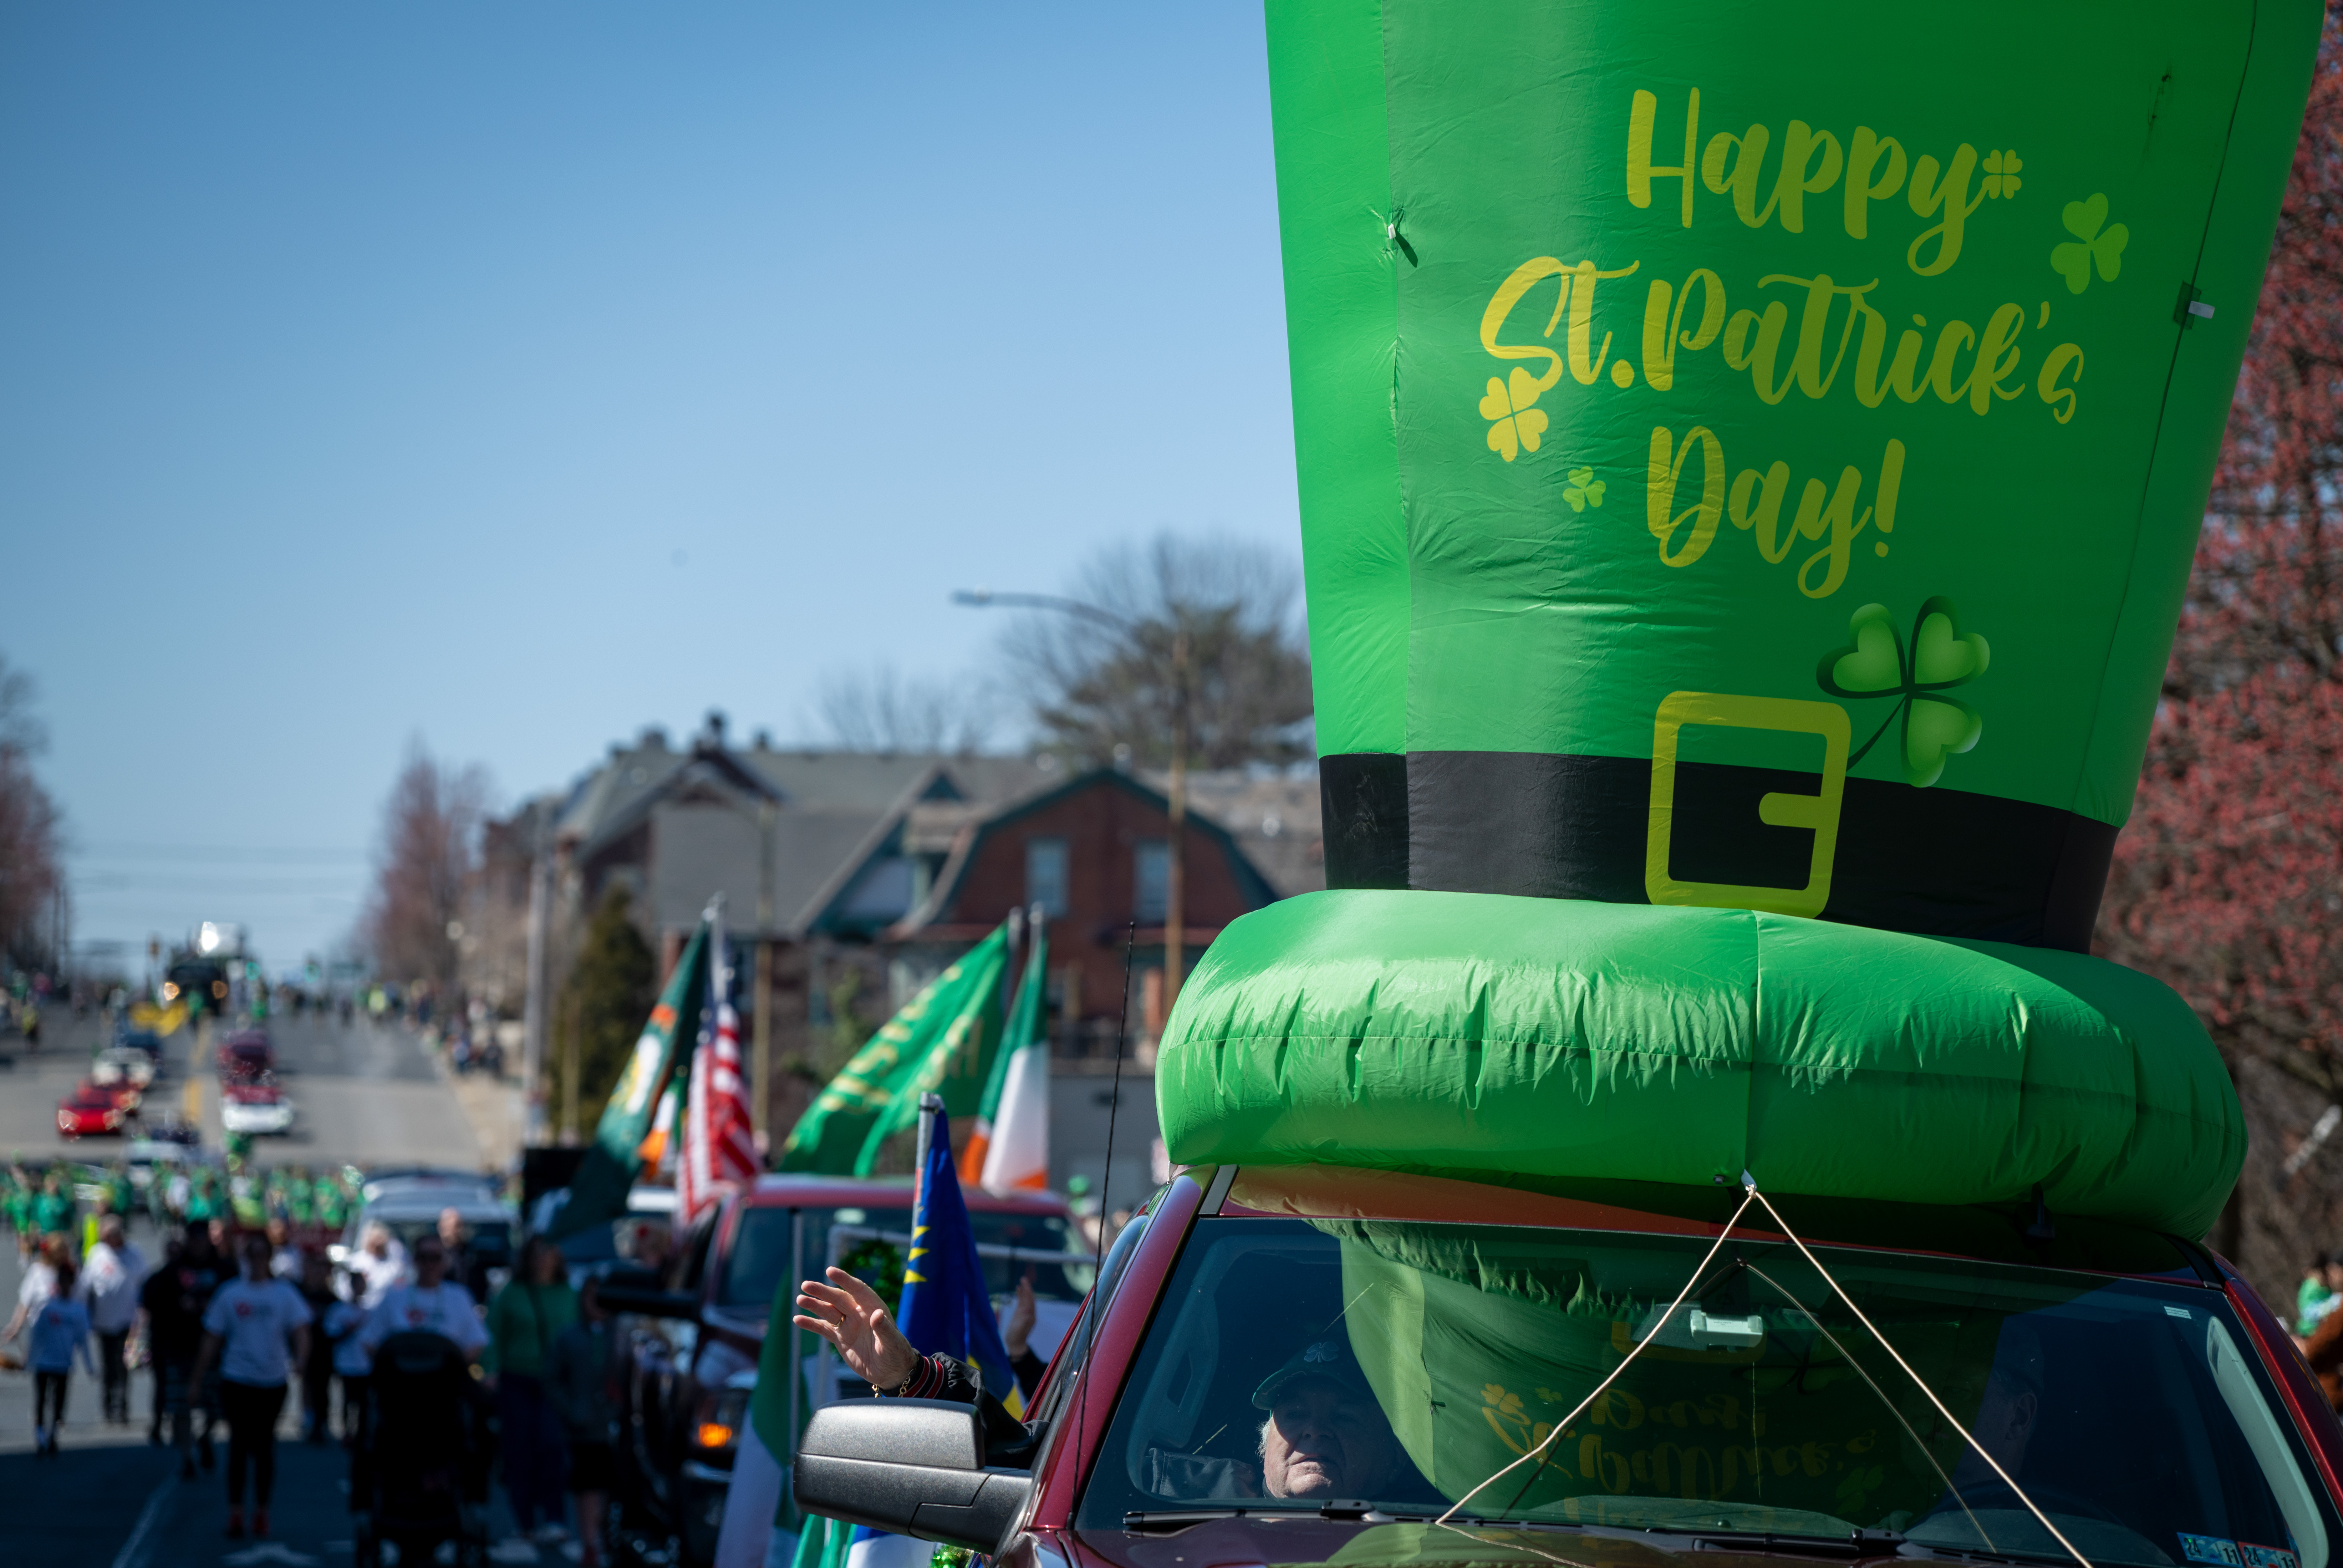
[2001, 174]
[2090, 244]
[1584, 490]
[1878, 663]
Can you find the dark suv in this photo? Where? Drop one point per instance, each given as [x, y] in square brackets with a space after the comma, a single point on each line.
[693, 1334]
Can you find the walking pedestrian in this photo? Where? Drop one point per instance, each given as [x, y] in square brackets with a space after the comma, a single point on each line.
[317, 1366]
[352, 1363]
[584, 1381]
[111, 1277]
[171, 1308]
[38, 1285]
[430, 1304]
[60, 1334]
[248, 1328]
[380, 1261]
[523, 1320]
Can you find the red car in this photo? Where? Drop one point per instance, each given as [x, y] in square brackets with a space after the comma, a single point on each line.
[90, 1110]
[246, 1056]
[1318, 1365]
[687, 1394]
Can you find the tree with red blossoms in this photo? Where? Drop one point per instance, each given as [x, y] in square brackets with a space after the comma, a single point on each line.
[2228, 880]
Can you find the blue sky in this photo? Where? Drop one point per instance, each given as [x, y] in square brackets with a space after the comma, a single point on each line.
[368, 371]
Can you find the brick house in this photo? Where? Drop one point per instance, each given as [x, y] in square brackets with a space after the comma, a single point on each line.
[880, 868]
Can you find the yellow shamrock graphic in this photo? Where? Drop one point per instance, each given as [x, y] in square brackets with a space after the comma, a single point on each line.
[2001, 174]
[1515, 425]
[1584, 490]
[2091, 243]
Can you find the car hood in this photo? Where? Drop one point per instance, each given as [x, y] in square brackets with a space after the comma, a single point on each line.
[1272, 1543]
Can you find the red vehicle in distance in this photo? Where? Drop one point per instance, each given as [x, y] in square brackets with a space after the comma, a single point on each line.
[90, 1110]
[246, 1056]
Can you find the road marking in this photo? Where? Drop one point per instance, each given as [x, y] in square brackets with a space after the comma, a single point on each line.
[134, 1550]
[191, 1101]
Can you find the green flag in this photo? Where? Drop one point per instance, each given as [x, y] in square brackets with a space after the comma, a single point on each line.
[599, 1193]
[942, 1042]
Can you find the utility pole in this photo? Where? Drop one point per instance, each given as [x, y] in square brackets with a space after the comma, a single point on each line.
[1175, 892]
[532, 1050]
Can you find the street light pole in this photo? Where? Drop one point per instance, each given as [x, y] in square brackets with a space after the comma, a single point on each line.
[760, 1053]
[1175, 891]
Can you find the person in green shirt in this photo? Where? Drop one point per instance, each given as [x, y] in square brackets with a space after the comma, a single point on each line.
[2318, 1293]
[53, 1206]
[16, 1193]
[333, 1210]
[524, 1320]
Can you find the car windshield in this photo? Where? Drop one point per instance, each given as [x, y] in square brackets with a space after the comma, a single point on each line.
[1011, 1244]
[1297, 1361]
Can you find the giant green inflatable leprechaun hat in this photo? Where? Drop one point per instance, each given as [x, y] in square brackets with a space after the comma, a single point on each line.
[1750, 457]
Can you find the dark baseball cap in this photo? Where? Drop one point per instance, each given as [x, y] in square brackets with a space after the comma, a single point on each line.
[1329, 1357]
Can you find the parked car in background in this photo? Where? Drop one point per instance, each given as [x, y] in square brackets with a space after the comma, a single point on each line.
[410, 1204]
[693, 1332]
[90, 1110]
[123, 1064]
[145, 1156]
[143, 1040]
[256, 1109]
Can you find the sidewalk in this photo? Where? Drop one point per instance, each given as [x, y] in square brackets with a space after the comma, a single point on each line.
[492, 1107]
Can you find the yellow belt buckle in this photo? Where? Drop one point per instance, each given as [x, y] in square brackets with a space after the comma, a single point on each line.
[1818, 813]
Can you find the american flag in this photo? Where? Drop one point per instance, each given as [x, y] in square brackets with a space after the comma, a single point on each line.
[719, 1147]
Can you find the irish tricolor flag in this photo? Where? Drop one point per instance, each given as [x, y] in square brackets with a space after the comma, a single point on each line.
[1010, 1149]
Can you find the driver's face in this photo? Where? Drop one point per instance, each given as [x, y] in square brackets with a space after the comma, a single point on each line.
[1324, 1441]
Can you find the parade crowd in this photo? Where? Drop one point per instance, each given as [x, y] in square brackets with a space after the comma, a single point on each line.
[244, 1310]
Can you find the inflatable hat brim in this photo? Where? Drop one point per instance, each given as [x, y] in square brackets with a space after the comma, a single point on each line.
[1468, 1033]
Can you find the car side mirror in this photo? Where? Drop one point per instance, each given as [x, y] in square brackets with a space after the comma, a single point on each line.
[914, 1466]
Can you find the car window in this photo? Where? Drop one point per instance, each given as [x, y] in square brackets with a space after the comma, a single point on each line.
[1009, 1243]
[1295, 1361]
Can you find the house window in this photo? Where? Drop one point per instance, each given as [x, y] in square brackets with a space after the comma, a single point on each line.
[1045, 875]
[1152, 876]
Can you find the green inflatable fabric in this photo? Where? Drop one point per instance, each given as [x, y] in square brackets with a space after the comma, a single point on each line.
[1468, 1034]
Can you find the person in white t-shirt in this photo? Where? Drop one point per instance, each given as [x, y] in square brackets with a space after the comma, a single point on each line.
[380, 1261]
[110, 1277]
[433, 1303]
[258, 1326]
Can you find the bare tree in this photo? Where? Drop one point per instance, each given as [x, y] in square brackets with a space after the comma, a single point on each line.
[425, 868]
[30, 857]
[876, 707]
[1102, 680]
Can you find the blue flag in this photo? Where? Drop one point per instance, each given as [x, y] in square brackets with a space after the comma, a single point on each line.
[946, 1309]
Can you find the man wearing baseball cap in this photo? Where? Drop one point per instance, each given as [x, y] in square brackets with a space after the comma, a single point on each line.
[1326, 1436]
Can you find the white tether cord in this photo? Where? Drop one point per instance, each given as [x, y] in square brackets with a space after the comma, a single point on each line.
[1750, 1184]
[1808, 1314]
[1561, 1425]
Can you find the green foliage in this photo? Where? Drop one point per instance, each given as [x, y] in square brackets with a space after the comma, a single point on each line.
[604, 1005]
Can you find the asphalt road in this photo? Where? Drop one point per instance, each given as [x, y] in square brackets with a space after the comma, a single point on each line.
[363, 1094]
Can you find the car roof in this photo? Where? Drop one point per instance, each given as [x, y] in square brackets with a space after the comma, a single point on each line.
[793, 1190]
[403, 1207]
[1985, 1234]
